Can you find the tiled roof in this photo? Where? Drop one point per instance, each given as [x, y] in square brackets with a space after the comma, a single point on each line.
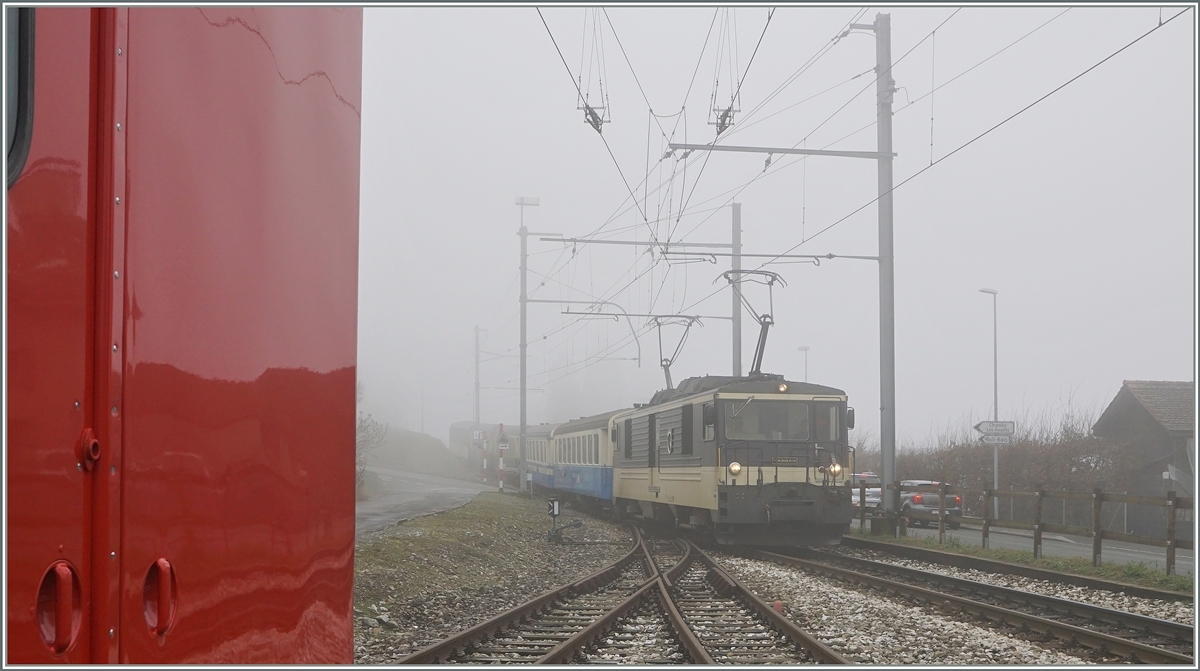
[1171, 403]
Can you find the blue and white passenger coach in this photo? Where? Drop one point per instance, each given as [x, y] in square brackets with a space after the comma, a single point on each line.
[581, 454]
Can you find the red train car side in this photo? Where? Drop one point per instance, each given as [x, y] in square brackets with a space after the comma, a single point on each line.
[182, 250]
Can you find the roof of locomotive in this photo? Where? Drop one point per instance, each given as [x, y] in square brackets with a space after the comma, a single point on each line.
[584, 423]
[762, 383]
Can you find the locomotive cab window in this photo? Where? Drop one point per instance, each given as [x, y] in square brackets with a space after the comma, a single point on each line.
[825, 422]
[18, 92]
[709, 416]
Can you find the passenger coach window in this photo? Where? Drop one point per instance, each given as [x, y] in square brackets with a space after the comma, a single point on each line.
[18, 92]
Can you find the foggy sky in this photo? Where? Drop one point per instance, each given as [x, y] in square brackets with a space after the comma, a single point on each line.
[1080, 211]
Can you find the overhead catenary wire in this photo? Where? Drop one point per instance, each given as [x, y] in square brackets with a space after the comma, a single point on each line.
[786, 164]
[934, 88]
[984, 133]
[602, 138]
[683, 207]
[957, 149]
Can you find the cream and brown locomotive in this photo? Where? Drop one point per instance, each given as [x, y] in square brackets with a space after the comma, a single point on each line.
[755, 460]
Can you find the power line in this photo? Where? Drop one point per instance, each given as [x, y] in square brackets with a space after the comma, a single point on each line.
[632, 72]
[878, 75]
[981, 135]
[602, 138]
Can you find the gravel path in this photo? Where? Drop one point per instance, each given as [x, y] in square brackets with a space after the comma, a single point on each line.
[871, 627]
[426, 579]
[1178, 611]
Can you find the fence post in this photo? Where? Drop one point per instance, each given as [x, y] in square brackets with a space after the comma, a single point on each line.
[942, 515]
[1037, 524]
[1097, 530]
[1171, 506]
[862, 506]
[987, 516]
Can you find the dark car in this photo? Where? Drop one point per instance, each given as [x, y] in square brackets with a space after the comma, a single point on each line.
[925, 498]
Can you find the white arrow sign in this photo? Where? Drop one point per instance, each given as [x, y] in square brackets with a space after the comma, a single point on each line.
[996, 428]
[997, 440]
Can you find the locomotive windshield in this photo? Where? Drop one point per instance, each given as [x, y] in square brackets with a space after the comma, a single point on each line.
[755, 419]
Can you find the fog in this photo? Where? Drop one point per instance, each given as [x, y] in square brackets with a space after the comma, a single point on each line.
[1079, 211]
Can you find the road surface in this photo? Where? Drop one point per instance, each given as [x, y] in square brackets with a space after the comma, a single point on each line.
[407, 495]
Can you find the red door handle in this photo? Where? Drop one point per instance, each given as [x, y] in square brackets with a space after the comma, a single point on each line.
[59, 607]
[63, 603]
[165, 596]
[158, 598]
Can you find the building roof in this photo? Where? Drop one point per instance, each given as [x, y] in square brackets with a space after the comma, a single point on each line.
[1171, 404]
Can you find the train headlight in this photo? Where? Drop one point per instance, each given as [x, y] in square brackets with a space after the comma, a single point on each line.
[836, 468]
[782, 387]
[735, 467]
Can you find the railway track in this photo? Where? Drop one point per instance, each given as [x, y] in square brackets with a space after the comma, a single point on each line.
[665, 602]
[996, 566]
[1107, 631]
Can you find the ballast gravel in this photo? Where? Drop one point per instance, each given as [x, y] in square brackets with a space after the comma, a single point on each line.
[1177, 611]
[469, 565]
[870, 627]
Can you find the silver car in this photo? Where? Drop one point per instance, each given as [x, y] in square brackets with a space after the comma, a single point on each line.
[873, 491]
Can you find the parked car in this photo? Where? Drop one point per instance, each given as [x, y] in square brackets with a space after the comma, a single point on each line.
[874, 491]
[926, 499]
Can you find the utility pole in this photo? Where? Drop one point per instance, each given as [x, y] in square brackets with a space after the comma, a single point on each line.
[477, 329]
[524, 233]
[995, 396]
[885, 86]
[737, 291]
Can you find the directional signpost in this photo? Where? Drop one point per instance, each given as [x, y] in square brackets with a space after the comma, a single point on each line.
[996, 428]
[995, 434]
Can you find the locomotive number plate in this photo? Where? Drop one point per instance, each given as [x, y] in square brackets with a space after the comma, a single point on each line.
[784, 461]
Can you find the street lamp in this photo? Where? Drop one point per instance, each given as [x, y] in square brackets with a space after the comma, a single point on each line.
[804, 348]
[995, 404]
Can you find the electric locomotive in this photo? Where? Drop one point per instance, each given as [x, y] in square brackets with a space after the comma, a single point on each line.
[755, 460]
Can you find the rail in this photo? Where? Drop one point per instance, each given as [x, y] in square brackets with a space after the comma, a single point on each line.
[945, 600]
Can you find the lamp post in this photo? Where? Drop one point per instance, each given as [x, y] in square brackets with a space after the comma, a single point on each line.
[995, 404]
[804, 348]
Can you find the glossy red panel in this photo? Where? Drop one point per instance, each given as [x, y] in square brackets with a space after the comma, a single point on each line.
[50, 234]
[241, 309]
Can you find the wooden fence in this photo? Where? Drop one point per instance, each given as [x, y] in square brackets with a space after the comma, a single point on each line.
[1038, 526]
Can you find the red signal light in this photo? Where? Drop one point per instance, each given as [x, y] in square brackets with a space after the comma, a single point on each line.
[958, 500]
[917, 498]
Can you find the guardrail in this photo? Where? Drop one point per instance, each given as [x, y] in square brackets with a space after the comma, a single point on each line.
[1096, 532]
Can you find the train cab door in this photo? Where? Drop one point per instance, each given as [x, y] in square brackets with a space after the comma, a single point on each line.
[60, 356]
[652, 453]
